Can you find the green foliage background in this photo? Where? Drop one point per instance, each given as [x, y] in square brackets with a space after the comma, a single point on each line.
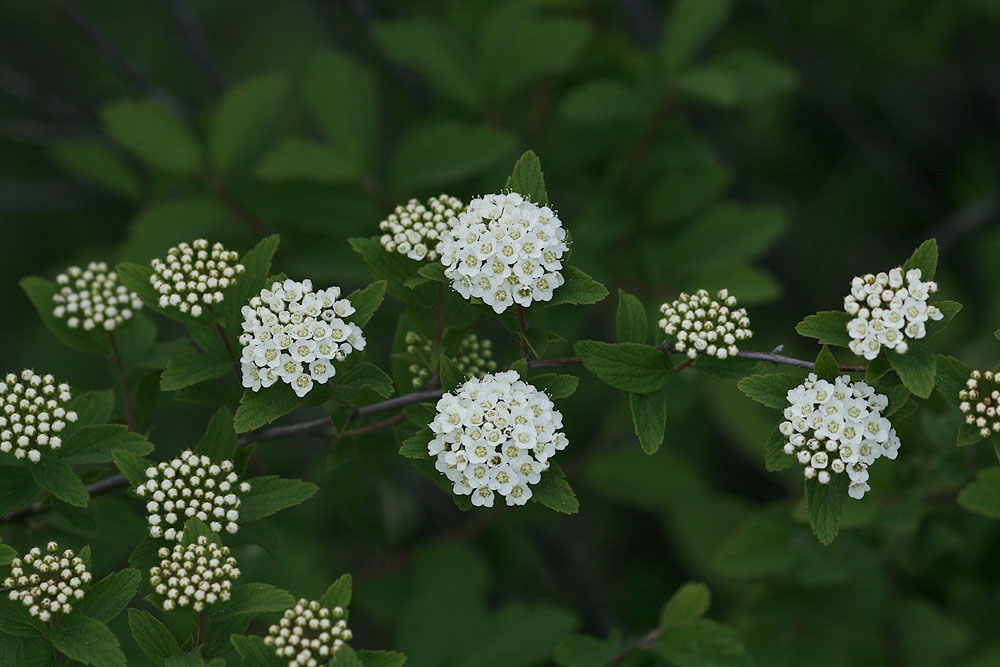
[776, 148]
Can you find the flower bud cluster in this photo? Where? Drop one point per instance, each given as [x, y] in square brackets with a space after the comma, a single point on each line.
[194, 575]
[191, 486]
[195, 274]
[495, 435]
[294, 334]
[93, 297]
[888, 308]
[308, 634]
[32, 414]
[504, 250]
[47, 584]
[474, 357]
[703, 325]
[837, 427]
[414, 230]
[979, 402]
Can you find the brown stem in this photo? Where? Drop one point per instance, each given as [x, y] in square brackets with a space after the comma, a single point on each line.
[126, 390]
[439, 314]
[646, 643]
[374, 426]
[201, 628]
[229, 350]
[522, 322]
[229, 198]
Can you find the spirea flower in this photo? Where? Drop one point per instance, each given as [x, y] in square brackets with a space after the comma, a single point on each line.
[32, 414]
[47, 584]
[835, 428]
[474, 357]
[93, 297]
[414, 230]
[293, 334]
[504, 250]
[979, 401]
[888, 308]
[308, 634]
[194, 575]
[195, 274]
[703, 325]
[191, 486]
[495, 435]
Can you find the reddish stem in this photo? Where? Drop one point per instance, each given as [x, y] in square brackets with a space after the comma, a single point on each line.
[126, 390]
[522, 322]
[229, 351]
[201, 628]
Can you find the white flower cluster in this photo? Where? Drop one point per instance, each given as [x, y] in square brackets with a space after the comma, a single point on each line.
[308, 634]
[93, 297]
[888, 308]
[495, 434]
[47, 584]
[193, 274]
[504, 249]
[838, 427]
[474, 357]
[191, 486]
[194, 575]
[414, 230]
[702, 325]
[294, 334]
[979, 401]
[32, 414]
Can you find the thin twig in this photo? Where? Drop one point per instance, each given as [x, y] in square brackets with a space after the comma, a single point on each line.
[201, 628]
[646, 643]
[229, 198]
[126, 390]
[194, 37]
[522, 322]
[229, 351]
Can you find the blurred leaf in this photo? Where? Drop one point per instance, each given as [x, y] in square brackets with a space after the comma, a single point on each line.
[586, 651]
[153, 134]
[770, 389]
[93, 444]
[270, 495]
[40, 291]
[244, 114]
[554, 492]
[702, 643]
[108, 597]
[219, 440]
[295, 159]
[829, 326]
[685, 175]
[916, 368]
[924, 258]
[982, 495]
[444, 152]
[16, 488]
[728, 233]
[688, 604]
[162, 224]
[649, 416]
[736, 79]
[518, 635]
[630, 367]
[758, 547]
[528, 180]
[381, 658]
[630, 319]
[155, 640]
[826, 503]
[55, 476]
[92, 161]
[251, 599]
[603, 100]
[690, 24]
[87, 640]
[191, 369]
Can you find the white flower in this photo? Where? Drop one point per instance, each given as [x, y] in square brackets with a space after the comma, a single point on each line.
[979, 402]
[33, 414]
[191, 486]
[473, 358]
[494, 436]
[194, 276]
[47, 584]
[837, 428]
[887, 309]
[308, 634]
[92, 298]
[700, 324]
[504, 249]
[194, 575]
[415, 230]
[294, 334]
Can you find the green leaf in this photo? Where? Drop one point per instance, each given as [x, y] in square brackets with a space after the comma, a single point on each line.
[445, 152]
[415, 447]
[556, 385]
[770, 389]
[55, 476]
[16, 621]
[527, 179]
[251, 599]
[362, 376]
[87, 640]
[40, 292]
[295, 159]
[826, 504]
[726, 234]
[433, 271]
[257, 268]
[153, 134]
[702, 643]
[383, 265]
[93, 444]
[153, 638]
[381, 658]
[190, 658]
[195, 528]
[579, 289]
[339, 593]
[366, 301]
[632, 367]
[601, 100]
[916, 368]
[829, 326]
[948, 309]
[17, 488]
[950, 377]
[630, 320]
[92, 161]
[649, 416]
[982, 495]
[270, 495]
[924, 258]
[243, 116]
[255, 652]
[968, 434]
[219, 440]
[691, 23]
[191, 369]
[451, 377]
[737, 78]
[775, 458]
[687, 605]
[826, 366]
[130, 465]
[7, 554]
[92, 407]
[554, 492]
[109, 596]
[260, 408]
[586, 651]
[136, 278]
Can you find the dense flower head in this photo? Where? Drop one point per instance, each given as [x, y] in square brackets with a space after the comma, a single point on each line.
[294, 334]
[308, 634]
[194, 575]
[495, 435]
[49, 583]
[93, 298]
[191, 486]
[415, 230]
[32, 414]
[703, 325]
[193, 274]
[835, 428]
[887, 309]
[474, 357]
[980, 400]
[504, 250]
